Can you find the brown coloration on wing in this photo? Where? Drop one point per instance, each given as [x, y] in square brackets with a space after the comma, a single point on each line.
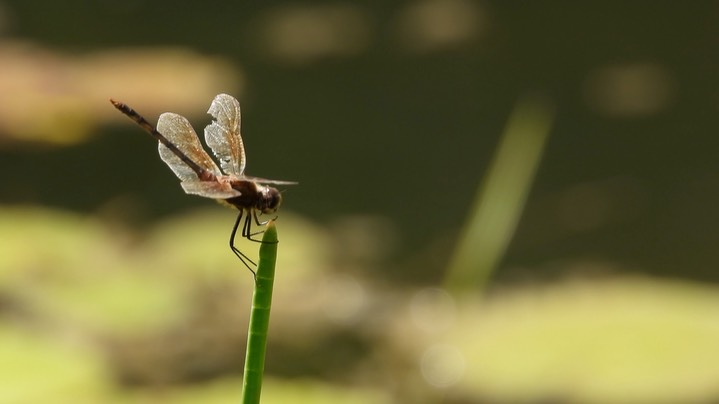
[178, 131]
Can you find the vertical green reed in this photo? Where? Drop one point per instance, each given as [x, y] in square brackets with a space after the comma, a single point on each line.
[260, 318]
[500, 200]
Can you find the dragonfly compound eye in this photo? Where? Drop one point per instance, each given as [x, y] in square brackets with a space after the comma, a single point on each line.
[270, 201]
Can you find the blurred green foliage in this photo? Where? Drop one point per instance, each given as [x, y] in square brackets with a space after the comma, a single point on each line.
[92, 309]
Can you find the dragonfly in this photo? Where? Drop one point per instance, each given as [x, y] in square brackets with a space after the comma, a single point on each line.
[181, 150]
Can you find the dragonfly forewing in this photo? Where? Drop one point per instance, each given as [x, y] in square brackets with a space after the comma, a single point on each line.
[266, 181]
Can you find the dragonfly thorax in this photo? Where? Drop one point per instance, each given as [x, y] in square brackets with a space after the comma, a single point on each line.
[264, 198]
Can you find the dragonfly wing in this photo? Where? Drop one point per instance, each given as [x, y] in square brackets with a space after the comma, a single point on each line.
[178, 131]
[223, 134]
[266, 181]
[209, 189]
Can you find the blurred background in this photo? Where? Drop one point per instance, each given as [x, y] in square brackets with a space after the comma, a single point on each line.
[499, 202]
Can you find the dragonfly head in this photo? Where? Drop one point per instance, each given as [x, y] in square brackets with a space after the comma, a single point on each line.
[269, 201]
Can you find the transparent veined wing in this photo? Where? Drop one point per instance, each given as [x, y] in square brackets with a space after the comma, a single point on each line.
[223, 134]
[210, 189]
[268, 181]
[178, 131]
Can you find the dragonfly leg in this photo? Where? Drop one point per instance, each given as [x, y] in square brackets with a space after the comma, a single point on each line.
[248, 221]
[245, 259]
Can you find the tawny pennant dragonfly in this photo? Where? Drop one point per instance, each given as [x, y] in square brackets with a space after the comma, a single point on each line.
[181, 150]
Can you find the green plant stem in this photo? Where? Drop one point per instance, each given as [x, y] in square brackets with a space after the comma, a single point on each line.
[500, 200]
[260, 318]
